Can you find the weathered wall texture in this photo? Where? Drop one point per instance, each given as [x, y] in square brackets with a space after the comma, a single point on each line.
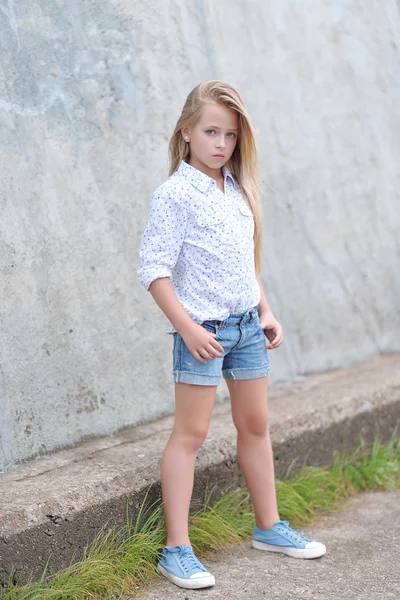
[89, 94]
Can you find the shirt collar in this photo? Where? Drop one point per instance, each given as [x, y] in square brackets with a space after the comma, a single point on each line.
[226, 173]
[200, 180]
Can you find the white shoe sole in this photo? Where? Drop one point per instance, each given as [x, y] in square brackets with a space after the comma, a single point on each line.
[293, 552]
[189, 584]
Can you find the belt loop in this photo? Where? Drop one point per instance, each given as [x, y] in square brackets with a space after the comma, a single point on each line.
[247, 317]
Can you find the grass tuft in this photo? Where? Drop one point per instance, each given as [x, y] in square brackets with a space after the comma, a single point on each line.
[122, 562]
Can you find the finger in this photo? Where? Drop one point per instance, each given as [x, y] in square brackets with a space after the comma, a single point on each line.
[278, 336]
[198, 357]
[272, 342]
[216, 344]
[213, 351]
[275, 343]
[204, 353]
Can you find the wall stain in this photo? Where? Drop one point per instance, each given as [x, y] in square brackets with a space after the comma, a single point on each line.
[88, 401]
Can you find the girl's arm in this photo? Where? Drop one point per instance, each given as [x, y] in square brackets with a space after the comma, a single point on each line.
[263, 306]
[200, 342]
[164, 295]
[159, 251]
[161, 244]
[272, 328]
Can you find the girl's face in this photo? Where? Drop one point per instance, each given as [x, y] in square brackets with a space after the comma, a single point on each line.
[213, 139]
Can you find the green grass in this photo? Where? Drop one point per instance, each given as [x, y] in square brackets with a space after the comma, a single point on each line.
[123, 562]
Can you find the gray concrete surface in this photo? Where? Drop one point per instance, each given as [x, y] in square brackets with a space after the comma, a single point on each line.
[90, 92]
[56, 504]
[361, 563]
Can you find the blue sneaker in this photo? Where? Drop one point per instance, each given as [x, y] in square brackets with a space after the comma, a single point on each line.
[180, 565]
[281, 538]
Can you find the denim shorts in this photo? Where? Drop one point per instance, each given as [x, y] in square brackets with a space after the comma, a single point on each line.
[245, 353]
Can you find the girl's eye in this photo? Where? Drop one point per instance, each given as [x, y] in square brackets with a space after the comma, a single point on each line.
[232, 134]
[210, 131]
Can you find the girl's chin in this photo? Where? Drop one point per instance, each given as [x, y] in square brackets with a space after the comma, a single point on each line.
[216, 161]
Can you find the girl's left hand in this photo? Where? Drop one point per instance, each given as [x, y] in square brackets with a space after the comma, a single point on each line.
[272, 329]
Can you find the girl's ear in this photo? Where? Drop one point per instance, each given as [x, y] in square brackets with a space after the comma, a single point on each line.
[185, 131]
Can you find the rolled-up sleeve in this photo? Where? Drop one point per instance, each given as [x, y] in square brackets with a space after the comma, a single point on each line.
[162, 239]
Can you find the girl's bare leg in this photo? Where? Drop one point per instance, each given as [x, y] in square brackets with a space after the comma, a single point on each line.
[194, 405]
[250, 416]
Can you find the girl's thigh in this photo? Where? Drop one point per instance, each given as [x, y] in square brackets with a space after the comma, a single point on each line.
[249, 402]
[193, 407]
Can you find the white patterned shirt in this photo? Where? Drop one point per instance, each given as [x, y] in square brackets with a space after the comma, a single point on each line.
[202, 239]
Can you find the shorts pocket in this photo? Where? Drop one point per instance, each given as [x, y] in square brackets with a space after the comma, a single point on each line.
[257, 323]
[210, 326]
[176, 351]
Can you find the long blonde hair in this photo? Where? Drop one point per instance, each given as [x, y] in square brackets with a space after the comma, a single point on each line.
[243, 163]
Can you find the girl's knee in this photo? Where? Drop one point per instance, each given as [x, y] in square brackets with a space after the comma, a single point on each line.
[255, 426]
[190, 440]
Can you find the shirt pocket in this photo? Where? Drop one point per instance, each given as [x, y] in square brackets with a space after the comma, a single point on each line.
[245, 210]
[209, 216]
[246, 219]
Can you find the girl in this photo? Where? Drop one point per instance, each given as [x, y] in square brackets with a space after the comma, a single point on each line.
[201, 261]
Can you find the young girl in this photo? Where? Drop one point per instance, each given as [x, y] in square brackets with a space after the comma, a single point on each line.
[201, 260]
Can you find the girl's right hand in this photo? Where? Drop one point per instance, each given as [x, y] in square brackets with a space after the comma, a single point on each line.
[202, 343]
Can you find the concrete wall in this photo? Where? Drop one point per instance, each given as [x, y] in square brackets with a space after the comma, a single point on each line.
[90, 92]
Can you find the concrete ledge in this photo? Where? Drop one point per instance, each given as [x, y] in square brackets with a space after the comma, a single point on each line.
[56, 504]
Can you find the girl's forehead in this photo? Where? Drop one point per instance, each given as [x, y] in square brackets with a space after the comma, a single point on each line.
[219, 115]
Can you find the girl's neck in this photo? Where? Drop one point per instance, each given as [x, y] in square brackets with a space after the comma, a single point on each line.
[213, 173]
